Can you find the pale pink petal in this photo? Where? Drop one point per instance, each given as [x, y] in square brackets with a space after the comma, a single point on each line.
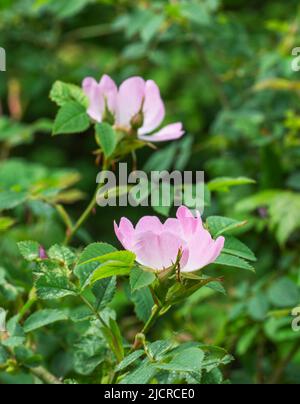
[125, 233]
[203, 251]
[158, 251]
[130, 100]
[149, 223]
[96, 101]
[170, 132]
[173, 226]
[218, 247]
[183, 212]
[110, 93]
[190, 224]
[153, 109]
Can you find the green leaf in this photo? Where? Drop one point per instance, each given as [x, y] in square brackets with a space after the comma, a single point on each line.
[71, 118]
[6, 223]
[219, 225]
[143, 302]
[52, 285]
[189, 360]
[3, 355]
[258, 307]
[196, 12]
[233, 246]
[284, 293]
[11, 199]
[104, 291]
[140, 279]
[30, 250]
[141, 375]
[89, 354]
[246, 340]
[62, 254]
[151, 28]
[162, 159]
[86, 266]
[113, 264]
[234, 262]
[15, 332]
[158, 349]
[62, 93]
[225, 183]
[280, 330]
[129, 360]
[42, 318]
[64, 8]
[106, 138]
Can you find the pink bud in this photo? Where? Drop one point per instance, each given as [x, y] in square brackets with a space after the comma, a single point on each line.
[42, 253]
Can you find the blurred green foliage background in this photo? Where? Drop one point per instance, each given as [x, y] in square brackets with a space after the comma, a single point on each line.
[224, 69]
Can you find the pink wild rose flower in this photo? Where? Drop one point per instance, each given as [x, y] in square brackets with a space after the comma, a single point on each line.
[156, 245]
[136, 104]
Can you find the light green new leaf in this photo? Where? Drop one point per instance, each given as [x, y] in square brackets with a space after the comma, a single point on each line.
[113, 264]
[42, 318]
[6, 223]
[106, 138]
[62, 93]
[140, 279]
[86, 265]
[224, 184]
[71, 118]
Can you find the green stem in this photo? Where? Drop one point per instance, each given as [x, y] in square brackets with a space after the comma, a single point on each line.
[152, 319]
[83, 218]
[32, 299]
[85, 215]
[280, 368]
[93, 310]
[45, 376]
[64, 216]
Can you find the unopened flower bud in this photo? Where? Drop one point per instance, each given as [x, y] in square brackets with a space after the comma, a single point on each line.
[42, 253]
